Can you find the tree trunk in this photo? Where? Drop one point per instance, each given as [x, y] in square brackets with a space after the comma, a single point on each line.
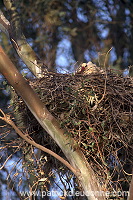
[83, 171]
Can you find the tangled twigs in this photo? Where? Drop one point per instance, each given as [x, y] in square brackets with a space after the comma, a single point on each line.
[8, 120]
[96, 110]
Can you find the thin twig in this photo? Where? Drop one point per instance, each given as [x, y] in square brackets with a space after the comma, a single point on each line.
[8, 120]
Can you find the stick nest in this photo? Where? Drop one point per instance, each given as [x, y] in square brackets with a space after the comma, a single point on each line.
[96, 110]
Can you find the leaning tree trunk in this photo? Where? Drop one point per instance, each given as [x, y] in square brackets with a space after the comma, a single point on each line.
[79, 166]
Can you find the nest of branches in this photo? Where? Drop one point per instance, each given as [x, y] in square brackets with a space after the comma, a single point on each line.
[96, 110]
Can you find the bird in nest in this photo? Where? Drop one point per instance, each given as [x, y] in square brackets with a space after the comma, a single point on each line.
[88, 68]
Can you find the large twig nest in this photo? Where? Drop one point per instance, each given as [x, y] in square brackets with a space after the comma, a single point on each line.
[95, 109]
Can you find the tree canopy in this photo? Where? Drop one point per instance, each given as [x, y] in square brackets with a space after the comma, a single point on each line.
[65, 32]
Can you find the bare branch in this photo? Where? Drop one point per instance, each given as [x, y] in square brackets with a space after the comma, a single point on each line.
[8, 120]
[10, 185]
[18, 40]
[4, 24]
[5, 160]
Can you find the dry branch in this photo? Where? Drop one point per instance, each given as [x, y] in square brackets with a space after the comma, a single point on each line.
[26, 137]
